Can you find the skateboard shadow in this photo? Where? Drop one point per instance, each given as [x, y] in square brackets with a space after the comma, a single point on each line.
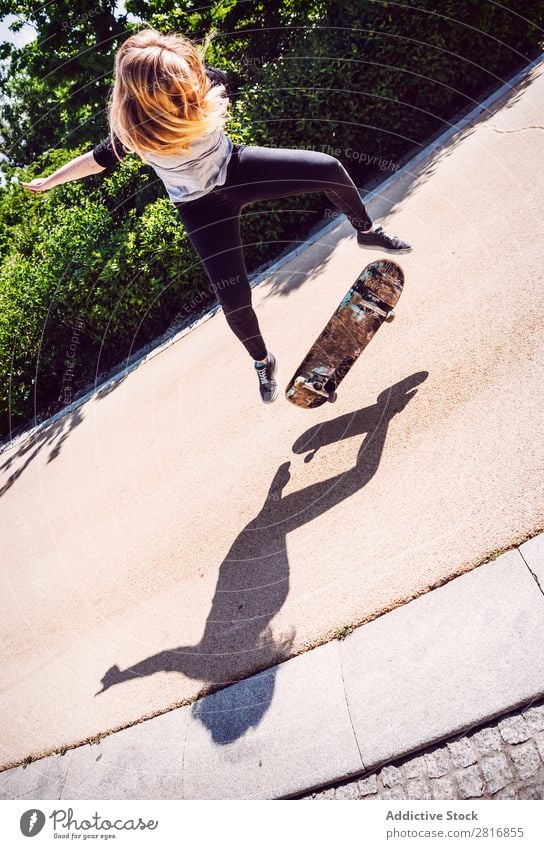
[357, 423]
[254, 579]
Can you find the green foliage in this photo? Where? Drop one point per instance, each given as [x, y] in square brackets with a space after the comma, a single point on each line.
[374, 79]
[93, 270]
[108, 267]
[55, 88]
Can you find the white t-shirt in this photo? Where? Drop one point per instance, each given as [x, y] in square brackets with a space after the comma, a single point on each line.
[185, 176]
[202, 169]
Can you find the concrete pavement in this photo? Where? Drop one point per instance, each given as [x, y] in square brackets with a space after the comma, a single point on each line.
[161, 541]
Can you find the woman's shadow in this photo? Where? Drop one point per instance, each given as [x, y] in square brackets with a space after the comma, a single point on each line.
[254, 577]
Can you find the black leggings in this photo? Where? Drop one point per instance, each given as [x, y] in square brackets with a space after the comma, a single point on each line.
[213, 220]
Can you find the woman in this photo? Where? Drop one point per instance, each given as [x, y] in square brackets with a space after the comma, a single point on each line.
[171, 110]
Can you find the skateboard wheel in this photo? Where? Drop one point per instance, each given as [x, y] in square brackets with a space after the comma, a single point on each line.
[390, 316]
[332, 397]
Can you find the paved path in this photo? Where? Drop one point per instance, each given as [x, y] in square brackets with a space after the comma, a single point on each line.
[442, 664]
[502, 760]
[160, 541]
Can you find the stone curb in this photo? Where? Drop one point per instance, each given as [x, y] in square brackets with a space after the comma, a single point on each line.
[502, 760]
[445, 663]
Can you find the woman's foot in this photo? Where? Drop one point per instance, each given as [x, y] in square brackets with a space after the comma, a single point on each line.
[380, 240]
[267, 384]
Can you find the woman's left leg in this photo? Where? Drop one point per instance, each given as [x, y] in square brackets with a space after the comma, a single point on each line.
[213, 226]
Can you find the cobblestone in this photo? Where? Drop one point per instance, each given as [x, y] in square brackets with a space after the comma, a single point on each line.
[540, 743]
[348, 791]
[514, 729]
[462, 752]
[368, 786]
[438, 762]
[534, 717]
[487, 741]
[531, 792]
[470, 783]
[496, 772]
[418, 789]
[415, 767]
[503, 760]
[444, 788]
[324, 794]
[506, 793]
[391, 776]
[394, 793]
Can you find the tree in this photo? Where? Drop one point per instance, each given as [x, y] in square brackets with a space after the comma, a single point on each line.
[55, 88]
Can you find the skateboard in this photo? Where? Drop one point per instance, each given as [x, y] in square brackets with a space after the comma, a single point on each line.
[366, 306]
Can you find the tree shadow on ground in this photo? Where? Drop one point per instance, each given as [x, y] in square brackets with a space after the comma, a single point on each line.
[385, 193]
[253, 578]
[50, 435]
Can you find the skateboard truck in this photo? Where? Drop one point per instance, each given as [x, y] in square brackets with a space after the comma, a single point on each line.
[368, 301]
[387, 315]
[310, 387]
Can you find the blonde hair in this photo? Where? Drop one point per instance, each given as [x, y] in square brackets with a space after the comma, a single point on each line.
[162, 99]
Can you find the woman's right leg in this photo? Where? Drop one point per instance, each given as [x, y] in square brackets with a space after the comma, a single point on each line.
[264, 173]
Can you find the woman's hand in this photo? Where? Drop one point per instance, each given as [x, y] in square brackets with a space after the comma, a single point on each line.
[40, 184]
[82, 166]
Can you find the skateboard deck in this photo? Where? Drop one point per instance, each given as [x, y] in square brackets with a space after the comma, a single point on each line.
[363, 310]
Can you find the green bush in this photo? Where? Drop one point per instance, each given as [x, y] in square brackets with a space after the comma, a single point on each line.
[373, 80]
[92, 271]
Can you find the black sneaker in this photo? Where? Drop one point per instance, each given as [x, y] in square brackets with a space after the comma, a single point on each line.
[379, 239]
[267, 384]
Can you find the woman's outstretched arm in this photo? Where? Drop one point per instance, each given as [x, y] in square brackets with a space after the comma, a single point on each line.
[81, 166]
